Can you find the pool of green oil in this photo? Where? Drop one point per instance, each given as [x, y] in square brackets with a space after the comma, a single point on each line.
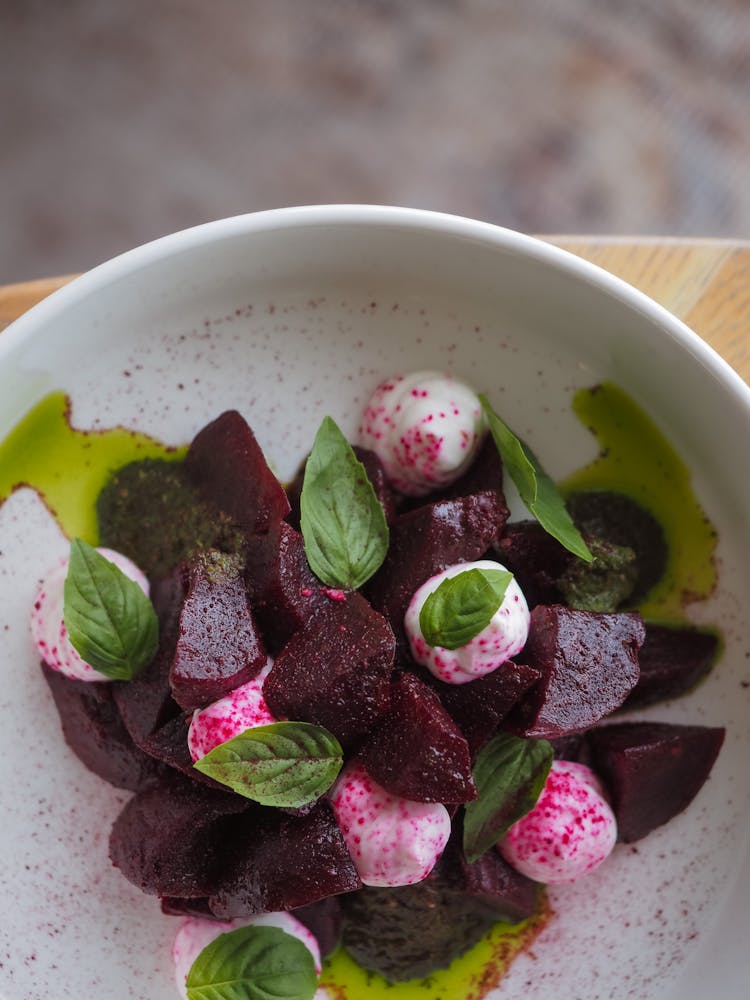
[67, 467]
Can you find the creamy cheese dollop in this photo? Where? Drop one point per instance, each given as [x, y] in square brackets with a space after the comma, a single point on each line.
[498, 642]
[392, 841]
[195, 934]
[425, 428]
[47, 625]
[243, 708]
[570, 831]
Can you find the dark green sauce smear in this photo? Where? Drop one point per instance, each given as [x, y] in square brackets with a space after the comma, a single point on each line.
[637, 460]
[69, 468]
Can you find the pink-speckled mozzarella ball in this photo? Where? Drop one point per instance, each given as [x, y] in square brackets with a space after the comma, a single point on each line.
[195, 934]
[392, 841]
[570, 831]
[241, 709]
[500, 641]
[47, 625]
[425, 428]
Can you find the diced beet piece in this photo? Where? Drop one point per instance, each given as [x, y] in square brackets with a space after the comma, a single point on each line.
[324, 920]
[228, 466]
[283, 591]
[653, 770]
[281, 862]
[409, 931]
[573, 747]
[417, 752]
[169, 745]
[428, 540]
[491, 882]
[219, 647]
[94, 731]
[484, 473]
[673, 659]
[174, 906]
[536, 560]
[589, 664]
[481, 705]
[335, 671]
[146, 702]
[169, 840]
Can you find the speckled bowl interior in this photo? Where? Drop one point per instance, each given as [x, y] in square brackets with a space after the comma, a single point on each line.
[292, 315]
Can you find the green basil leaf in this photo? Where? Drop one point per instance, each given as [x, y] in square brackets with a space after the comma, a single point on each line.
[109, 620]
[535, 487]
[282, 764]
[509, 774]
[253, 963]
[462, 606]
[343, 524]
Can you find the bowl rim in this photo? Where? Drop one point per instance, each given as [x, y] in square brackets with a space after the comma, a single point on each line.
[385, 216]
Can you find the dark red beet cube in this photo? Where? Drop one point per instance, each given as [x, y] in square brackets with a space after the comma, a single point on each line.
[492, 883]
[94, 731]
[170, 839]
[335, 671]
[146, 702]
[281, 862]
[284, 592]
[536, 560]
[653, 770]
[589, 665]
[219, 646]
[228, 466]
[428, 540]
[484, 473]
[481, 705]
[417, 751]
[672, 661]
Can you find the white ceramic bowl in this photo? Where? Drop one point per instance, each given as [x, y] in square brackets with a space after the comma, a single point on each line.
[291, 315]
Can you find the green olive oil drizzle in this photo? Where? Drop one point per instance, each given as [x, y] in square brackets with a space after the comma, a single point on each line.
[636, 459]
[68, 467]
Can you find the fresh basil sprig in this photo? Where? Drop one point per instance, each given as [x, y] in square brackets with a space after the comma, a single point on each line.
[109, 620]
[462, 605]
[535, 487]
[510, 774]
[253, 963]
[281, 764]
[343, 524]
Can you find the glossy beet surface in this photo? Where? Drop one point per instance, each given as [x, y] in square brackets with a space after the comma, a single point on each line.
[335, 671]
[653, 770]
[219, 646]
[417, 751]
[227, 464]
[672, 660]
[589, 664]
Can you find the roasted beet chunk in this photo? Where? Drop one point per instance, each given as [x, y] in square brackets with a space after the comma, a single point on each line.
[219, 646]
[283, 591]
[335, 672]
[653, 770]
[428, 540]
[146, 702]
[169, 840]
[417, 752]
[672, 661]
[95, 732]
[410, 931]
[589, 664]
[281, 862]
[226, 463]
[480, 706]
[324, 919]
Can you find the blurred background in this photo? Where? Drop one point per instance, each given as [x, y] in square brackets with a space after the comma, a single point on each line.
[123, 120]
